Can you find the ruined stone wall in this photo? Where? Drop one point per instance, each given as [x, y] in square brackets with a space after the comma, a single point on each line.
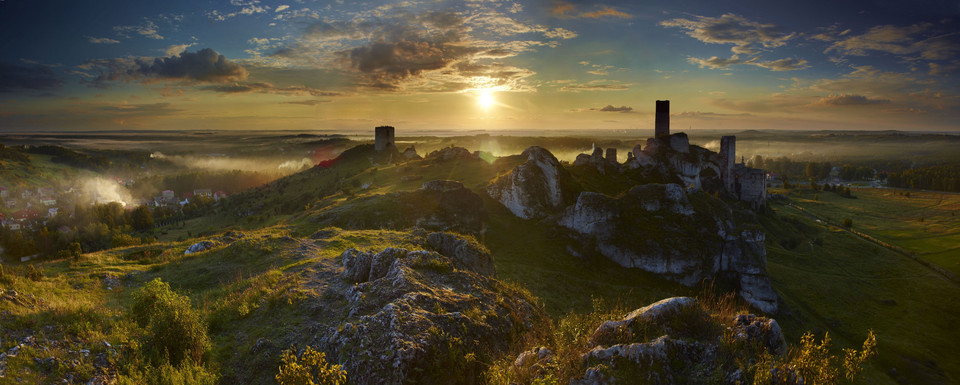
[662, 122]
[728, 155]
[384, 138]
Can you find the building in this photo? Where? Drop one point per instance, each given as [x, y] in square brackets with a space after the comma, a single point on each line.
[167, 194]
[384, 138]
[662, 119]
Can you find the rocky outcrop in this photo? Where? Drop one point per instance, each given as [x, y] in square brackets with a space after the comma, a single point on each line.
[448, 154]
[411, 154]
[199, 246]
[660, 229]
[674, 341]
[413, 315]
[536, 188]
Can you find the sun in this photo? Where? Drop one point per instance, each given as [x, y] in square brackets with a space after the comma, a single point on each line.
[485, 99]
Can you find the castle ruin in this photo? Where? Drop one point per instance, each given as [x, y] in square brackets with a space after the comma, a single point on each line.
[383, 138]
[692, 162]
[662, 119]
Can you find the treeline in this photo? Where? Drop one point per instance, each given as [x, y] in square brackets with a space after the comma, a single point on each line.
[230, 182]
[785, 167]
[72, 158]
[95, 227]
[944, 177]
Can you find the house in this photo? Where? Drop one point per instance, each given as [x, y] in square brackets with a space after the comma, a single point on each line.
[52, 212]
[26, 214]
[3, 192]
[11, 203]
[43, 192]
[12, 226]
[49, 202]
[26, 194]
[202, 192]
[167, 194]
[219, 194]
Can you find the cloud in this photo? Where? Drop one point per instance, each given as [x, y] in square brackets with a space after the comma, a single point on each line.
[596, 85]
[564, 9]
[559, 33]
[267, 88]
[708, 115]
[945, 69]
[176, 49]
[281, 8]
[17, 78]
[606, 12]
[747, 37]
[308, 102]
[789, 64]
[102, 40]
[203, 66]
[152, 109]
[715, 62]
[849, 100]
[611, 108]
[147, 29]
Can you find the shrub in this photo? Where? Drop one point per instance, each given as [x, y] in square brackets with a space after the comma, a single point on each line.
[847, 222]
[812, 363]
[311, 368]
[175, 331]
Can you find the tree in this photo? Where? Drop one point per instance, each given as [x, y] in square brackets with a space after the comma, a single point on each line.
[141, 218]
[847, 222]
[812, 170]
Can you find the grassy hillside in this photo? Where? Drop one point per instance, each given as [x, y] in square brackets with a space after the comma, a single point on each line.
[925, 223]
[832, 281]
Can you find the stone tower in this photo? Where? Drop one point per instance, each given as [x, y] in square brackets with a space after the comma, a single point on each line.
[662, 122]
[384, 138]
[612, 154]
[728, 157]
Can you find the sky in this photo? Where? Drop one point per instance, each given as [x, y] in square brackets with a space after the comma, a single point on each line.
[550, 65]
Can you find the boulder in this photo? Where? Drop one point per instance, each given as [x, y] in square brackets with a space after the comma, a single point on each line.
[199, 246]
[536, 188]
[447, 154]
[672, 341]
[442, 185]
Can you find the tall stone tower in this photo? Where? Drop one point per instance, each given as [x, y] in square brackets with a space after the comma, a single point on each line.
[728, 157]
[384, 138]
[662, 123]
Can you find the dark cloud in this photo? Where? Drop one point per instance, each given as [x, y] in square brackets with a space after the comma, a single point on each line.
[612, 108]
[14, 78]
[267, 88]
[203, 66]
[565, 9]
[849, 100]
[154, 109]
[309, 102]
[594, 87]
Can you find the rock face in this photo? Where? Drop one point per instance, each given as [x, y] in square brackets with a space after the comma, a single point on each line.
[536, 188]
[660, 229]
[672, 341]
[449, 153]
[411, 153]
[415, 314]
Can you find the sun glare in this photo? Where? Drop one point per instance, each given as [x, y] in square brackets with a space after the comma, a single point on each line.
[485, 99]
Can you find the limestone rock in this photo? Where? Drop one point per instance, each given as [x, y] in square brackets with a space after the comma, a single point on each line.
[447, 154]
[766, 330]
[199, 246]
[464, 251]
[535, 188]
[411, 153]
[415, 310]
[661, 241]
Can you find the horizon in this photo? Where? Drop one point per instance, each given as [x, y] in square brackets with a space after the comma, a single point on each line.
[498, 66]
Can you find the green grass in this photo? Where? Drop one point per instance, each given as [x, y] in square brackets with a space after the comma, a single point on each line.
[833, 281]
[925, 223]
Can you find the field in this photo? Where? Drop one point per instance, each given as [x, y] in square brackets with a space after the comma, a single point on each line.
[924, 223]
[836, 282]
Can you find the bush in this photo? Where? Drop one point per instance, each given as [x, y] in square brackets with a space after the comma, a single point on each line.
[847, 222]
[175, 331]
[310, 368]
[812, 363]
